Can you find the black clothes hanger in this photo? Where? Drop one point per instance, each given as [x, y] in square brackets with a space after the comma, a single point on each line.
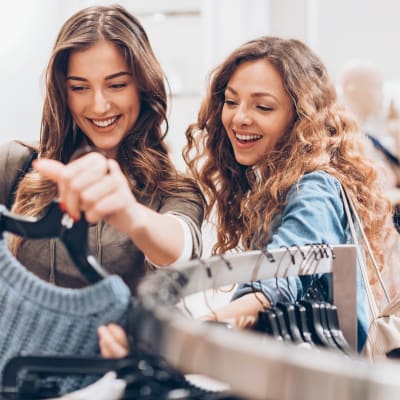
[288, 309]
[148, 377]
[323, 323]
[289, 313]
[314, 304]
[301, 318]
[296, 314]
[317, 294]
[337, 334]
[57, 224]
[282, 325]
[267, 322]
[325, 326]
[314, 323]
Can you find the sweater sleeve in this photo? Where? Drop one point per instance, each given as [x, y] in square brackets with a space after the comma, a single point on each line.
[313, 214]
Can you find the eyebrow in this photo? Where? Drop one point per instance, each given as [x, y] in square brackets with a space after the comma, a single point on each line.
[108, 77]
[256, 94]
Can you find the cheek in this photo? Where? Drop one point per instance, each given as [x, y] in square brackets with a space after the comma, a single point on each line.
[73, 105]
[225, 118]
[282, 124]
[130, 103]
[134, 111]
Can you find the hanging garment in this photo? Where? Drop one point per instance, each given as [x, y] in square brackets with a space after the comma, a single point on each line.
[39, 318]
[140, 376]
[109, 387]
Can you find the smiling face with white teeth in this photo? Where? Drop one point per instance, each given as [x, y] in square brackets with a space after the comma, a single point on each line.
[102, 95]
[257, 110]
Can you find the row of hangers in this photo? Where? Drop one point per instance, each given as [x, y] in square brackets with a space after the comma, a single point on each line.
[312, 321]
[305, 322]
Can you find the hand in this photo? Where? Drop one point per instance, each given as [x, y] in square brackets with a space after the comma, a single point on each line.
[239, 322]
[113, 341]
[95, 185]
[241, 313]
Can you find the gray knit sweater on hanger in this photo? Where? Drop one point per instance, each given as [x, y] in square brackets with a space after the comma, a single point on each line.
[39, 318]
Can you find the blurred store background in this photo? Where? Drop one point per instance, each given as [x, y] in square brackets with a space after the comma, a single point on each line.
[190, 37]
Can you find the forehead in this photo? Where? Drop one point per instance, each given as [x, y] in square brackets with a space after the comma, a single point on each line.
[99, 60]
[257, 74]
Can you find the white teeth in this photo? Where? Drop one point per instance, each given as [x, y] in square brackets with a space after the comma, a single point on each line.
[105, 122]
[247, 137]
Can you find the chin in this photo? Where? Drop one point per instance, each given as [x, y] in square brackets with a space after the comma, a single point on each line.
[245, 163]
[109, 151]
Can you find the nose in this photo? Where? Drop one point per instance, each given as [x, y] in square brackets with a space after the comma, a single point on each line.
[101, 104]
[242, 116]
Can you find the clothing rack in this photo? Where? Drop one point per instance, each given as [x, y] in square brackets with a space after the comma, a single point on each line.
[256, 366]
[218, 271]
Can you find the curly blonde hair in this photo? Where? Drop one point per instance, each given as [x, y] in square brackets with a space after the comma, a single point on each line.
[322, 137]
[143, 154]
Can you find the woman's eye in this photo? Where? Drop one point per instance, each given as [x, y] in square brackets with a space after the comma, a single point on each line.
[264, 108]
[78, 88]
[118, 85]
[229, 102]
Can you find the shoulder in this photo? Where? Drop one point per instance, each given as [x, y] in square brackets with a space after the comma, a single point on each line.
[315, 187]
[313, 212]
[318, 181]
[15, 151]
[13, 156]
[317, 191]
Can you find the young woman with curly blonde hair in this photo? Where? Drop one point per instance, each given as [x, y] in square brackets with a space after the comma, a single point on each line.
[270, 149]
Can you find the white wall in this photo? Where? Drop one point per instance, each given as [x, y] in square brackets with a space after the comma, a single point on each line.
[27, 30]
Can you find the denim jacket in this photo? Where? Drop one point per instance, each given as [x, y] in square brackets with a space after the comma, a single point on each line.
[314, 213]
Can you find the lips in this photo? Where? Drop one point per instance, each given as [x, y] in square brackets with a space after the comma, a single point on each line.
[246, 137]
[105, 122]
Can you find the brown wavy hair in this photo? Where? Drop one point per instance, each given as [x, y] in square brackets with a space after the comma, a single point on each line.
[322, 137]
[143, 154]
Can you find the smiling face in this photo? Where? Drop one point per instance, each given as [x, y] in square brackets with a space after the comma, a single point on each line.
[257, 110]
[102, 95]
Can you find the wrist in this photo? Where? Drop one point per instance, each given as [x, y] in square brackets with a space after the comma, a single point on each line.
[138, 220]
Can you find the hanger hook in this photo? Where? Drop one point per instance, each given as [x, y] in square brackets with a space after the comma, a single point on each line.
[297, 250]
[229, 266]
[333, 255]
[268, 254]
[278, 267]
[210, 276]
[254, 276]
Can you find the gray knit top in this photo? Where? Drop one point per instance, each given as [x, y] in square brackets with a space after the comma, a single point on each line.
[39, 318]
